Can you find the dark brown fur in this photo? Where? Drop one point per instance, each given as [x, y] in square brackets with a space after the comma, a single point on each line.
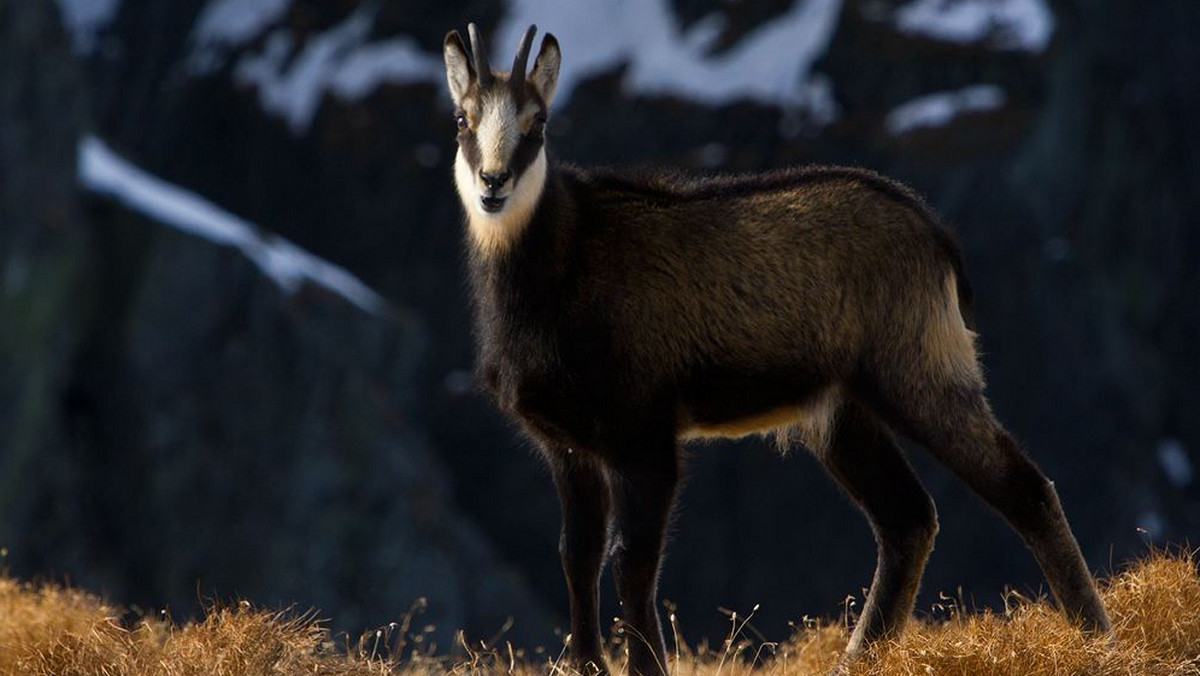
[632, 310]
[703, 296]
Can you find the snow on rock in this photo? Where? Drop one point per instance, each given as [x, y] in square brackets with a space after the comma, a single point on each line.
[393, 60]
[772, 65]
[338, 60]
[1012, 24]
[290, 267]
[1174, 462]
[226, 24]
[937, 109]
[84, 19]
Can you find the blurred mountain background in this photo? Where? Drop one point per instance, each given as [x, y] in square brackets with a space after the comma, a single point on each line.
[235, 350]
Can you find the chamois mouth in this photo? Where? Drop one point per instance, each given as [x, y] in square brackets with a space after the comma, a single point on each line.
[492, 204]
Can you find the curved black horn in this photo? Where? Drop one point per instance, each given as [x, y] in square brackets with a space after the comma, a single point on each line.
[482, 67]
[517, 79]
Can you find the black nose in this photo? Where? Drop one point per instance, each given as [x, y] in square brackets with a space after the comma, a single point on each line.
[494, 180]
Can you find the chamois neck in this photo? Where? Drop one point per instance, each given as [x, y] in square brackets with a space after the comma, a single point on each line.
[493, 235]
[532, 267]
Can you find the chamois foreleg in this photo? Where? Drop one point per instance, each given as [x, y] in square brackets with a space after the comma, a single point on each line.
[865, 459]
[643, 483]
[583, 496]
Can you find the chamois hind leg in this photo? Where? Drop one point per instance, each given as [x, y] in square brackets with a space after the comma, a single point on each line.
[955, 422]
[583, 497]
[865, 459]
[643, 481]
[930, 387]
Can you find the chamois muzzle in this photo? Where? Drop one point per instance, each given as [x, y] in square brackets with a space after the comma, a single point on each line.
[492, 202]
[495, 181]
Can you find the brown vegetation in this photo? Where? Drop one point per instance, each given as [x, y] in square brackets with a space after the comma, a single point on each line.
[1155, 605]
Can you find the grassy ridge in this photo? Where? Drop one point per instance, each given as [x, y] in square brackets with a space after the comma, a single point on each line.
[1155, 604]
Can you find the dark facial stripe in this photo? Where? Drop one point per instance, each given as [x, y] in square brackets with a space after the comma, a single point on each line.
[529, 145]
[524, 155]
[470, 148]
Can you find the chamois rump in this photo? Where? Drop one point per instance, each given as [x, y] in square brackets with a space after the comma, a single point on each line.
[620, 315]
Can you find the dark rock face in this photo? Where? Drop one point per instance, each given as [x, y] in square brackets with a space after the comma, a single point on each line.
[178, 428]
[1073, 201]
[232, 439]
[43, 240]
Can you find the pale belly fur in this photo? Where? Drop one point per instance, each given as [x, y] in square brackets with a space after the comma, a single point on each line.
[811, 424]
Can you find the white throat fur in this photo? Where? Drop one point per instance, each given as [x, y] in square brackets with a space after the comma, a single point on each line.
[492, 233]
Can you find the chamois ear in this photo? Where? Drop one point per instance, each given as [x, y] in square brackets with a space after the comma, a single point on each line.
[459, 72]
[544, 75]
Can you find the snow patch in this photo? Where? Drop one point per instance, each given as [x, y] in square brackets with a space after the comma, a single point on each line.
[84, 19]
[224, 25]
[290, 267]
[338, 61]
[772, 65]
[393, 60]
[937, 109]
[1012, 24]
[1174, 462]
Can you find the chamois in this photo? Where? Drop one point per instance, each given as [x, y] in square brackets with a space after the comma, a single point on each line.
[620, 315]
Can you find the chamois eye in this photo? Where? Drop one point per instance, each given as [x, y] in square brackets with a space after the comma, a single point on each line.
[538, 127]
[461, 121]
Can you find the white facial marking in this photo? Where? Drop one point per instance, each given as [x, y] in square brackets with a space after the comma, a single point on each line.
[492, 233]
[497, 134]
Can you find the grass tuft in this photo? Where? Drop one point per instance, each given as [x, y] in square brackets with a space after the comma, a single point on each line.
[49, 630]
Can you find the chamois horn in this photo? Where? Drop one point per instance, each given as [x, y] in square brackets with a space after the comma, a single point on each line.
[517, 79]
[482, 68]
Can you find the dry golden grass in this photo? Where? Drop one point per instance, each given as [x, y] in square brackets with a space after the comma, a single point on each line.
[1155, 604]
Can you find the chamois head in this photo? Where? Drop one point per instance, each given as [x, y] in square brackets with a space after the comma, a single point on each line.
[501, 118]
